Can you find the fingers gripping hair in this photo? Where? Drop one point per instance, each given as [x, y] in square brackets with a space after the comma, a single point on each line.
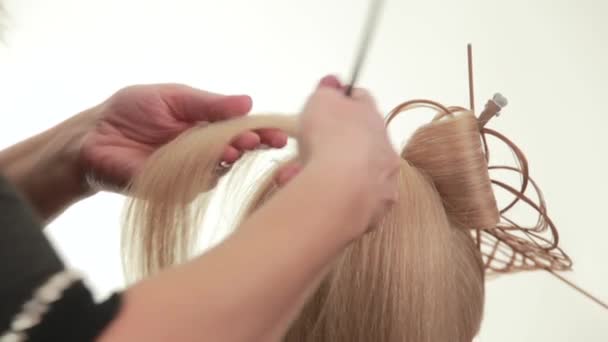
[170, 194]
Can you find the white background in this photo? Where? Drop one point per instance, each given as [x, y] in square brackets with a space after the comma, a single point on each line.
[550, 58]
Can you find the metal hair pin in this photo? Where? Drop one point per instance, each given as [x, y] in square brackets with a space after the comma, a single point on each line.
[368, 32]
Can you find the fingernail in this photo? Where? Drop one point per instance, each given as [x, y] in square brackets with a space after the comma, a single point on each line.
[330, 81]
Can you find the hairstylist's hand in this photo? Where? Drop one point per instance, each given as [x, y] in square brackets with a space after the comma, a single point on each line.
[348, 135]
[137, 120]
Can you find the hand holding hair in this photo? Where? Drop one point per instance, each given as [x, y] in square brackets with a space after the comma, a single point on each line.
[287, 245]
[104, 147]
[348, 133]
[137, 120]
[297, 263]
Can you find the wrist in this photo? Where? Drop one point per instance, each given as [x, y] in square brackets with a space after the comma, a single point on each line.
[63, 156]
[46, 167]
[66, 154]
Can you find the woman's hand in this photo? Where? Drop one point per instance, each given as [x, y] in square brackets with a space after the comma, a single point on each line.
[347, 134]
[110, 142]
[263, 274]
[137, 120]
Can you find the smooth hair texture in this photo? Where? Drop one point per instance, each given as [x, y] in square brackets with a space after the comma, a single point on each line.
[418, 277]
[415, 278]
[170, 194]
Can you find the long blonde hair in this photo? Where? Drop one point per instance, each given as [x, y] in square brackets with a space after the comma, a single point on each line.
[417, 277]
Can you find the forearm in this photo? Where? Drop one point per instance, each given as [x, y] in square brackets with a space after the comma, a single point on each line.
[44, 168]
[243, 289]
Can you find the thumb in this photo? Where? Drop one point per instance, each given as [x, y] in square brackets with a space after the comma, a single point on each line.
[193, 105]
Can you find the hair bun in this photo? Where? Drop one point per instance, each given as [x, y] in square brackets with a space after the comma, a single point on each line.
[449, 151]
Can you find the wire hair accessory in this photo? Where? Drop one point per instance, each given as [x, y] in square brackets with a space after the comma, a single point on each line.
[509, 246]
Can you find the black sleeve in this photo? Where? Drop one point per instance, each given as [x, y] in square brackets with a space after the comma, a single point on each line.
[75, 317]
[27, 262]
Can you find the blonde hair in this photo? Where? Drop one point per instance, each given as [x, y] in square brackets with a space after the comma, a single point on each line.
[418, 277]
[415, 278]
